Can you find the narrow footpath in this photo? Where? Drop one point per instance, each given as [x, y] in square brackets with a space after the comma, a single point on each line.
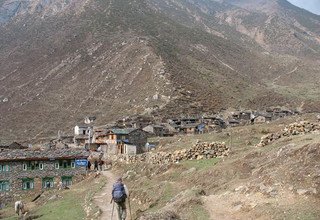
[103, 198]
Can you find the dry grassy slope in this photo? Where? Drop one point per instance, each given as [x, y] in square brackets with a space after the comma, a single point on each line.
[252, 183]
[62, 62]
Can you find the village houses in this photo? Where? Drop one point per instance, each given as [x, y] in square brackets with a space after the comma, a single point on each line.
[126, 141]
[114, 141]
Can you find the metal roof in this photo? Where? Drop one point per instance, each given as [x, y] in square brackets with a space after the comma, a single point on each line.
[122, 130]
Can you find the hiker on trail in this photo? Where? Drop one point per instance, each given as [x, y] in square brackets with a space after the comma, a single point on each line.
[119, 194]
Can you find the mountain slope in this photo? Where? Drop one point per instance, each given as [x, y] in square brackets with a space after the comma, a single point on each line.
[63, 60]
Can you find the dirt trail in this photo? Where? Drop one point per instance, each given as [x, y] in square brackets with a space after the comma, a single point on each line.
[103, 198]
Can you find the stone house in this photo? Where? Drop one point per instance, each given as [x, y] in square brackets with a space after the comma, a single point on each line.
[100, 135]
[80, 140]
[233, 123]
[130, 149]
[195, 128]
[28, 172]
[242, 115]
[118, 138]
[169, 130]
[214, 123]
[156, 130]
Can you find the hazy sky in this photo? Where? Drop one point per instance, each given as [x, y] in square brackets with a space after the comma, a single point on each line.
[311, 5]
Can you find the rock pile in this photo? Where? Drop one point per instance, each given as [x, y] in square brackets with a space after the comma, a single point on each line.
[198, 152]
[300, 128]
[296, 128]
[266, 139]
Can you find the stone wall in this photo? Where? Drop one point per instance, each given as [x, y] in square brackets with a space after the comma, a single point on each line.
[198, 152]
[297, 128]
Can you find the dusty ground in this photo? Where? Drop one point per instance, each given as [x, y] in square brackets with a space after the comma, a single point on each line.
[102, 199]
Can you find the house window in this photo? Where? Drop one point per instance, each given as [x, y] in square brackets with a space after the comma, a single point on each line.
[73, 164]
[47, 182]
[56, 165]
[66, 180]
[4, 186]
[66, 164]
[32, 165]
[27, 184]
[4, 168]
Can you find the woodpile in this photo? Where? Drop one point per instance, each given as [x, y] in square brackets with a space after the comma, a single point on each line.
[198, 152]
[296, 128]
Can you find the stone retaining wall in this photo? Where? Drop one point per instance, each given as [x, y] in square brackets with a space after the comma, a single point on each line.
[296, 128]
[198, 152]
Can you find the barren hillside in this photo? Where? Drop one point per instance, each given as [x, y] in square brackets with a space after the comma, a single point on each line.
[63, 60]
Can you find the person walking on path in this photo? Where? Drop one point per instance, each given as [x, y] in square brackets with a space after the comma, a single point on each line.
[120, 193]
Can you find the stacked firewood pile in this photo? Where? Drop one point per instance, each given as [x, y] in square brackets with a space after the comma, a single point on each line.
[198, 152]
[296, 128]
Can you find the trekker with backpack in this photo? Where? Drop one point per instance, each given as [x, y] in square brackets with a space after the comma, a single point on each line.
[119, 194]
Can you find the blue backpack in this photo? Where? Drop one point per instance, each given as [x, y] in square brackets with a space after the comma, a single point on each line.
[118, 193]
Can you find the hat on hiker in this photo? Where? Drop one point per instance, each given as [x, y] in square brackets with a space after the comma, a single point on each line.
[119, 179]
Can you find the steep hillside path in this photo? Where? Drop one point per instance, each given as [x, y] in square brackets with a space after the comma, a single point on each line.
[102, 199]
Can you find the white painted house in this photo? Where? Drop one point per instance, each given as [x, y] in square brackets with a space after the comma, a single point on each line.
[82, 129]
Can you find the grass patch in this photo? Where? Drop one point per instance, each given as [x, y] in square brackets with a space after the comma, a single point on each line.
[67, 208]
[68, 204]
[200, 164]
[168, 193]
[198, 212]
[307, 216]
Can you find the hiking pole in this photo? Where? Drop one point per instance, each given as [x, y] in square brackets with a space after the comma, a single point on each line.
[129, 208]
[112, 208]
